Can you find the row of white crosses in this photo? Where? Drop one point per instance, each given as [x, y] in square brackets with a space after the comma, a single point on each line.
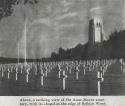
[100, 74]
[25, 69]
[92, 64]
[68, 66]
[64, 66]
[88, 64]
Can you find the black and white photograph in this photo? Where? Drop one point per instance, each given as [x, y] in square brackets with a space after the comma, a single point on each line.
[62, 48]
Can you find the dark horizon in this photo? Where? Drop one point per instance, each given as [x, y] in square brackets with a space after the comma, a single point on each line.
[85, 51]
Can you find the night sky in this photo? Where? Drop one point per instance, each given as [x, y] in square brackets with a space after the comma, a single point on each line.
[56, 23]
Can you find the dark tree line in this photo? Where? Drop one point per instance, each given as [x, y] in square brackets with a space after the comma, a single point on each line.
[112, 48]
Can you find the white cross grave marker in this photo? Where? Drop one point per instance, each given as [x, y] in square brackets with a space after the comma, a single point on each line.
[64, 76]
[42, 75]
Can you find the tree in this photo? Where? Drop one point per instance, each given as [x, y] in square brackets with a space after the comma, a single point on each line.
[54, 56]
[6, 6]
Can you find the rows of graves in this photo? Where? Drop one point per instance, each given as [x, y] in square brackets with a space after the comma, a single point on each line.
[63, 76]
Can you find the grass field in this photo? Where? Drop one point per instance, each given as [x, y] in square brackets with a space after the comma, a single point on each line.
[86, 85]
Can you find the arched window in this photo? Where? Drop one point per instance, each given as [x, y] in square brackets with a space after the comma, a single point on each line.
[98, 24]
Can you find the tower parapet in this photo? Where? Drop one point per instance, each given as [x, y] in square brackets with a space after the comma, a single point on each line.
[96, 33]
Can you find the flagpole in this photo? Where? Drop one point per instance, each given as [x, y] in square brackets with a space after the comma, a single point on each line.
[25, 38]
[18, 54]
